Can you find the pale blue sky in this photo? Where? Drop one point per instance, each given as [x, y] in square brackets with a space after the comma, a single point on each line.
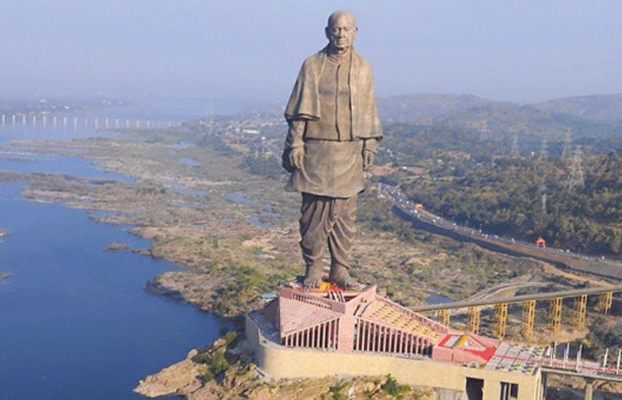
[517, 50]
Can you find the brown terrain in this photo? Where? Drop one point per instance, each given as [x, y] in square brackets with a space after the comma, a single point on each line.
[235, 236]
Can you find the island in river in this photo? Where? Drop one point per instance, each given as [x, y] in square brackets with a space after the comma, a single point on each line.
[213, 201]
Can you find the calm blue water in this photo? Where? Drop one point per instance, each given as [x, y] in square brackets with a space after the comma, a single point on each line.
[75, 322]
[15, 160]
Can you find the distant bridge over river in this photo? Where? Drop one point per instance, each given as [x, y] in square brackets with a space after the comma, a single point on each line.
[69, 123]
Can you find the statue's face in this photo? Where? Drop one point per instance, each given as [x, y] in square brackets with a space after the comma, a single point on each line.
[341, 31]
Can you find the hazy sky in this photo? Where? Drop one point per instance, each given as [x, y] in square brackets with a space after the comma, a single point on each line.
[517, 50]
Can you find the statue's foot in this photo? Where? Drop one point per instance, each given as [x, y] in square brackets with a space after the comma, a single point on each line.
[313, 278]
[341, 277]
[312, 283]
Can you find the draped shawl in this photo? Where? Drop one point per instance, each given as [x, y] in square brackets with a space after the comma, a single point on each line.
[304, 102]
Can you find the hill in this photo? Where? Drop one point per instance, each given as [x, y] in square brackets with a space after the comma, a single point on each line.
[422, 108]
[478, 183]
[595, 107]
[583, 117]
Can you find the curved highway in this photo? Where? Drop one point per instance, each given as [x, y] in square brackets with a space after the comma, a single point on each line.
[432, 223]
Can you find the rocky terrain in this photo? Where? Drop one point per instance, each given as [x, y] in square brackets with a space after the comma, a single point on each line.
[224, 370]
[236, 233]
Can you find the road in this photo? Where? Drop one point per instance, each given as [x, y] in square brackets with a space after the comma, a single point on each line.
[433, 223]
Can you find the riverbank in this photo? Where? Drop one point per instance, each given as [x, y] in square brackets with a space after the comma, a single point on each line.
[236, 233]
[80, 311]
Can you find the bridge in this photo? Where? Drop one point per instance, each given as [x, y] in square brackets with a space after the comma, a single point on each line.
[528, 302]
[518, 357]
[88, 123]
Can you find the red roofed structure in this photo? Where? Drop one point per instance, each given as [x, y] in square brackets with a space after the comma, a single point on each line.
[316, 333]
[366, 322]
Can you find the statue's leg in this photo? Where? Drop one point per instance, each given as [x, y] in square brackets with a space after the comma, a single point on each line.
[314, 227]
[340, 241]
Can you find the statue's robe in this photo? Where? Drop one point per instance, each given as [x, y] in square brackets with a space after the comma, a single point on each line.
[335, 101]
[333, 158]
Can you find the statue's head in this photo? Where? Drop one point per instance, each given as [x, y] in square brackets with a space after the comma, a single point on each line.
[341, 30]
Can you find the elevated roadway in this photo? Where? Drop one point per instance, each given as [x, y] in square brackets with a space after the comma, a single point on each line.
[518, 299]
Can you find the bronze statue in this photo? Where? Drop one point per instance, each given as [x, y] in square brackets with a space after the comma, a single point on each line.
[334, 130]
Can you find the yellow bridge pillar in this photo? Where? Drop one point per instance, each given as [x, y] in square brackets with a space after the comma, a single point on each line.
[556, 313]
[443, 317]
[604, 303]
[580, 311]
[501, 317]
[529, 317]
[473, 320]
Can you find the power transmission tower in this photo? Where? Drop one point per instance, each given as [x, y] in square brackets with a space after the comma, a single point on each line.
[576, 178]
[567, 149]
[484, 133]
[544, 150]
[210, 109]
[542, 190]
[514, 149]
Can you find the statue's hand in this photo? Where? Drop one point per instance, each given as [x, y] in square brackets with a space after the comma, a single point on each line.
[296, 156]
[368, 159]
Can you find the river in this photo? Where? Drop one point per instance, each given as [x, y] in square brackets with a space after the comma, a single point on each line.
[75, 321]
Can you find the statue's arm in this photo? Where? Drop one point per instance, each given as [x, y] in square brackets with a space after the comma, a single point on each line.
[293, 149]
[295, 133]
[369, 151]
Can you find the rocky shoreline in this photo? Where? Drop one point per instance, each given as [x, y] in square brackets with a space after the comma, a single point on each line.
[235, 235]
[224, 370]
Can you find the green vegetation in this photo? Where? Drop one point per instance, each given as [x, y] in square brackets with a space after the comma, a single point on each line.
[218, 357]
[604, 333]
[475, 182]
[244, 285]
[263, 164]
[337, 390]
[394, 389]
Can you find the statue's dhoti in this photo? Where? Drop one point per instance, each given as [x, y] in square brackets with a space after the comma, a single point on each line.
[327, 220]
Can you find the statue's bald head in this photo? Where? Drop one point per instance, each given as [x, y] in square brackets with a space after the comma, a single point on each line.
[334, 17]
[341, 30]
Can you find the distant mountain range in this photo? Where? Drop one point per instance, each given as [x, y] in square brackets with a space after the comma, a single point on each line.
[598, 107]
[583, 116]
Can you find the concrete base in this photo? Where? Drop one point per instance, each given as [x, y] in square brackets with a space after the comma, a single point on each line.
[282, 362]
